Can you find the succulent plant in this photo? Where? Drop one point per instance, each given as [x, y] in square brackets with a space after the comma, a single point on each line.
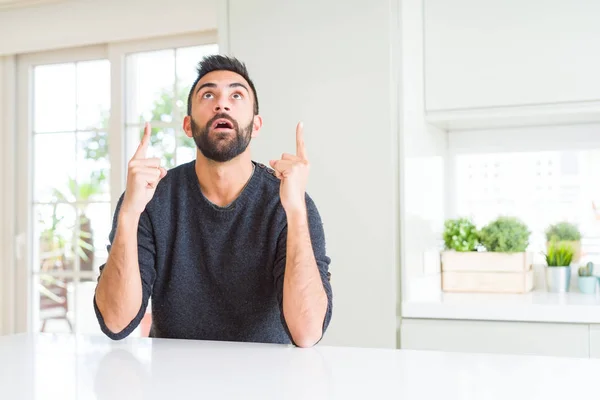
[587, 269]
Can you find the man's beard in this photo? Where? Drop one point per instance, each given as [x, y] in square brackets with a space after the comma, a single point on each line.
[220, 148]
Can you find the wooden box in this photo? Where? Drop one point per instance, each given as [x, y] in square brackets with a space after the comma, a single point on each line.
[487, 272]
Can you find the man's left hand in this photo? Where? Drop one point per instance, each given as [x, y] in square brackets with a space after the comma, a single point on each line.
[293, 172]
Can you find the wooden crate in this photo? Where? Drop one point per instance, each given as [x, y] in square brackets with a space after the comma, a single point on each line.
[474, 261]
[487, 272]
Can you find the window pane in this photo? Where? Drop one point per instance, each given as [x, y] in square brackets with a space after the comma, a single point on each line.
[96, 222]
[54, 98]
[93, 167]
[54, 164]
[54, 297]
[84, 316]
[63, 305]
[53, 237]
[162, 144]
[187, 59]
[150, 85]
[93, 94]
[186, 149]
[541, 188]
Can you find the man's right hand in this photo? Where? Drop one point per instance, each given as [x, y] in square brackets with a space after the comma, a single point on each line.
[143, 175]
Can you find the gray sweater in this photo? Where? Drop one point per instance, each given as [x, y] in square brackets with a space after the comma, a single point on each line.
[216, 273]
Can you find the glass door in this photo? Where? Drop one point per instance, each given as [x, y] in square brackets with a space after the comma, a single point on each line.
[68, 215]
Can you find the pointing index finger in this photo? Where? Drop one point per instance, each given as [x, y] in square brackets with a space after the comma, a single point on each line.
[300, 148]
[143, 147]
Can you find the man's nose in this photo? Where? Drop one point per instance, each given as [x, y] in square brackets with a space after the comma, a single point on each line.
[222, 105]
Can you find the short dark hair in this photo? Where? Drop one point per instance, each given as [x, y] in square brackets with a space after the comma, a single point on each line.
[218, 62]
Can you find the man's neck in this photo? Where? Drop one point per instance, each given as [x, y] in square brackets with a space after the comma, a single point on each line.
[222, 183]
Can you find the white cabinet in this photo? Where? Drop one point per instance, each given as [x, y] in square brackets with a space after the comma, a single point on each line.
[525, 338]
[595, 341]
[510, 53]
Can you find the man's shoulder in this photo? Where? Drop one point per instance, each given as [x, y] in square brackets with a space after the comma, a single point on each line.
[270, 174]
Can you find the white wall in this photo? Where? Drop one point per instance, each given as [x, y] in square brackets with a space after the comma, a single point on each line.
[2, 205]
[485, 53]
[7, 173]
[83, 22]
[330, 64]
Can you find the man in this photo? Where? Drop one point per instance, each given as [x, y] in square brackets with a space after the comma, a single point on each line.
[227, 248]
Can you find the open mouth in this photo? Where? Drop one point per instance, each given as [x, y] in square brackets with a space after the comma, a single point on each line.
[222, 124]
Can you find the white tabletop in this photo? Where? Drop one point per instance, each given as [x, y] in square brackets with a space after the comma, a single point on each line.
[68, 367]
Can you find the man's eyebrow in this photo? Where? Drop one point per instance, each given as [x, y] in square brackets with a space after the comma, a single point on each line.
[208, 84]
[237, 84]
[214, 85]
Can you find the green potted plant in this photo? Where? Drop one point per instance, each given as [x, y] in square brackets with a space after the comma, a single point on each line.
[587, 281]
[505, 235]
[565, 232]
[558, 266]
[503, 266]
[461, 240]
[460, 235]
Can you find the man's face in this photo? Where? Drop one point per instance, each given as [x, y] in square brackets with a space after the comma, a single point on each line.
[222, 121]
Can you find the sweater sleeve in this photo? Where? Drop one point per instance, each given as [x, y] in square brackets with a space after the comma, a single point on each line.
[317, 235]
[146, 259]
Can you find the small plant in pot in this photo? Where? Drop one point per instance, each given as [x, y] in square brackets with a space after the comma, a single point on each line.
[460, 235]
[505, 235]
[558, 269]
[565, 232]
[587, 281]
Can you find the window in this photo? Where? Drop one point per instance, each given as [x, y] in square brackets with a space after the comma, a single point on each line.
[158, 83]
[540, 187]
[76, 134]
[70, 202]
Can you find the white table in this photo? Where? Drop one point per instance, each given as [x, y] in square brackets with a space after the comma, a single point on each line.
[46, 366]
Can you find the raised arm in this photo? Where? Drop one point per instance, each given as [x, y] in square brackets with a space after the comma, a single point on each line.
[118, 298]
[307, 294]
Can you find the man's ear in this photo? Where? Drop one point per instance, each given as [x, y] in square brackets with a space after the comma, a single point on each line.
[187, 126]
[256, 125]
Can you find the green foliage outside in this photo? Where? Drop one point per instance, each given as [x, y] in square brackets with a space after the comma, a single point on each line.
[164, 109]
[54, 240]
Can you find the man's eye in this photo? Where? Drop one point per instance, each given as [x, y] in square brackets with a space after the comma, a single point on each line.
[207, 95]
[237, 96]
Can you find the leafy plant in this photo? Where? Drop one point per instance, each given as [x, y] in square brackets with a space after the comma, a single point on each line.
[460, 235]
[505, 235]
[560, 254]
[83, 192]
[586, 270]
[563, 231]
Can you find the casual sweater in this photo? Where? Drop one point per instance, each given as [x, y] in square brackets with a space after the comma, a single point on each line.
[216, 273]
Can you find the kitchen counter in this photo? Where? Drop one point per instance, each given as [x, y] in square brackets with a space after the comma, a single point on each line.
[536, 306]
[47, 366]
